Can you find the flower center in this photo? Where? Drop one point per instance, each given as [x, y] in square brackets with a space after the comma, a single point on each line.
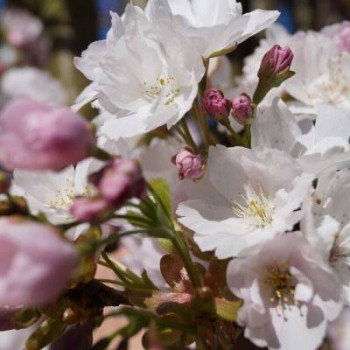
[326, 90]
[165, 85]
[258, 210]
[64, 198]
[338, 253]
[282, 285]
[332, 88]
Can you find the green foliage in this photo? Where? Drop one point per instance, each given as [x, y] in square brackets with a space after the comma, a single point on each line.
[45, 334]
[27, 317]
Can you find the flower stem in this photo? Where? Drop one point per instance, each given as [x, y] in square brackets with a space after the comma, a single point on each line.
[201, 118]
[188, 136]
[182, 250]
[125, 275]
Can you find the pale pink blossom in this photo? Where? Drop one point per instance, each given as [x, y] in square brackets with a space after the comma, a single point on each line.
[34, 136]
[36, 263]
[287, 289]
[338, 331]
[20, 27]
[340, 33]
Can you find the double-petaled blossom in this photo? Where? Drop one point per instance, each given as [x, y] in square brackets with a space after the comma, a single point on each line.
[20, 27]
[34, 84]
[245, 197]
[287, 288]
[52, 193]
[157, 77]
[340, 33]
[34, 136]
[213, 26]
[36, 264]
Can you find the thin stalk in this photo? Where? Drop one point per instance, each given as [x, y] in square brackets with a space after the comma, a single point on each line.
[106, 280]
[201, 118]
[101, 154]
[247, 136]
[237, 140]
[125, 275]
[261, 91]
[132, 218]
[115, 238]
[188, 135]
[182, 249]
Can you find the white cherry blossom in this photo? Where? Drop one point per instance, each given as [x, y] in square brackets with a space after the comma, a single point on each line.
[213, 26]
[156, 79]
[246, 197]
[34, 84]
[287, 289]
[52, 193]
[316, 145]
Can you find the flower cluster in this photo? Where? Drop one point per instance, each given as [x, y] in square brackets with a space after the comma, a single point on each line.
[229, 199]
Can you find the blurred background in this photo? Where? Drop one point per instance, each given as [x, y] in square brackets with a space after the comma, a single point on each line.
[68, 26]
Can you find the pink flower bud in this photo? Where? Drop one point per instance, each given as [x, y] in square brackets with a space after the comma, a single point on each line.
[36, 263]
[242, 108]
[189, 164]
[215, 104]
[34, 136]
[277, 60]
[88, 209]
[120, 180]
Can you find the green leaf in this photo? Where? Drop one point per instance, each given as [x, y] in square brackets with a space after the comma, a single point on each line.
[160, 190]
[227, 309]
[46, 333]
[27, 317]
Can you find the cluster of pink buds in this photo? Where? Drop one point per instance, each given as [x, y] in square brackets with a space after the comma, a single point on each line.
[217, 106]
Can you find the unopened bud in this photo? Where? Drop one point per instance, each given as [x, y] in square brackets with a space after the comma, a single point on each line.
[242, 108]
[120, 180]
[215, 104]
[189, 165]
[34, 136]
[88, 209]
[277, 60]
[274, 70]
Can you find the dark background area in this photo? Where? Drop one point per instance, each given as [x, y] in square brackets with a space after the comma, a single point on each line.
[74, 24]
